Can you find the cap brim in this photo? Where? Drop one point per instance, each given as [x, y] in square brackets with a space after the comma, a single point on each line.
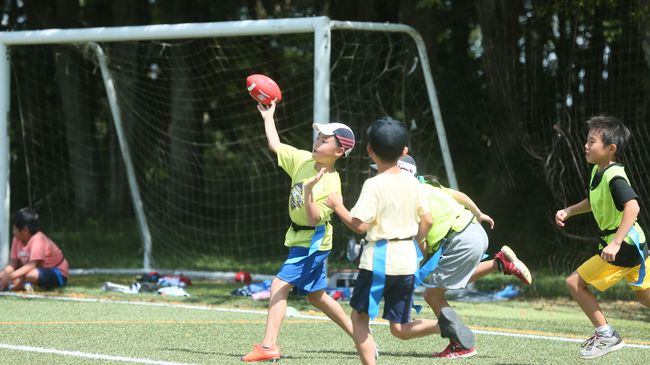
[324, 128]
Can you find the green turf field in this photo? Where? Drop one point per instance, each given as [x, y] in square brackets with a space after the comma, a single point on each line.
[215, 328]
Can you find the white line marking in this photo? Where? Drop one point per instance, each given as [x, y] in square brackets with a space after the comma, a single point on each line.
[88, 355]
[304, 316]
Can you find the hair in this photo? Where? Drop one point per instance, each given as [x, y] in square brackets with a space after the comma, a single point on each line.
[27, 217]
[612, 131]
[388, 146]
[432, 180]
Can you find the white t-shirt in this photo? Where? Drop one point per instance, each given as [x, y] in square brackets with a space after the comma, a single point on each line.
[391, 204]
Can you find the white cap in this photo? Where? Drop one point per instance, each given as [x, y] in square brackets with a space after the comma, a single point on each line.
[340, 131]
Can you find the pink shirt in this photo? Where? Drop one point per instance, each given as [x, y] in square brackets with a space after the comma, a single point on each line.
[40, 247]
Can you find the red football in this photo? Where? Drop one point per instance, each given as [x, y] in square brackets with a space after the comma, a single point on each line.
[263, 89]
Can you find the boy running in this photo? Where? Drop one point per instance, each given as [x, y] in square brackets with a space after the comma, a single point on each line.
[458, 233]
[392, 211]
[623, 250]
[309, 238]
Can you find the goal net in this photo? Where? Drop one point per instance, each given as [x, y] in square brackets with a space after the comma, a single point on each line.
[210, 192]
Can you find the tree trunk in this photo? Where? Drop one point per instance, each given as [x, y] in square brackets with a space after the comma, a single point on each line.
[74, 89]
[125, 12]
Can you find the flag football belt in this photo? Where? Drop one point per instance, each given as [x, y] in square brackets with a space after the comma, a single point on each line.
[379, 274]
[316, 241]
[634, 235]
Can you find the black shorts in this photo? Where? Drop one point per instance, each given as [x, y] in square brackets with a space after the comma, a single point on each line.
[51, 278]
[398, 296]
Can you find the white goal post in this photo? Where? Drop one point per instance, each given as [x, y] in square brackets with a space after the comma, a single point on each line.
[321, 27]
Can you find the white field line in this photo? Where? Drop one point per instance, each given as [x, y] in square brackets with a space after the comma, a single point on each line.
[304, 316]
[86, 355]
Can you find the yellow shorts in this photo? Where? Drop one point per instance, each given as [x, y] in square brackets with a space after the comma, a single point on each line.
[602, 275]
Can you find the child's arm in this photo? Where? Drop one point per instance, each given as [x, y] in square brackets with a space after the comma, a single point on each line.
[426, 222]
[6, 274]
[630, 213]
[272, 137]
[468, 203]
[579, 208]
[313, 212]
[335, 201]
[23, 270]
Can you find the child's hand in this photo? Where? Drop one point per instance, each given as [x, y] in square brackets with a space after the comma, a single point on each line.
[486, 218]
[334, 200]
[309, 184]
[423, 246]
[609, 252]
[267, 111]
[561, 216]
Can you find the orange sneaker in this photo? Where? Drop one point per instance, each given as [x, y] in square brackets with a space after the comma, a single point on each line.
[261, 353]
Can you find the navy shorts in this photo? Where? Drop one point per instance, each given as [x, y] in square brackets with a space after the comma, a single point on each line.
[51, 278]
[398, 296]
[307, 275]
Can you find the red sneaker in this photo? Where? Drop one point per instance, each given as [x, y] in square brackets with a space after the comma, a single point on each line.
[259, 353]
[511, 265]
[454, 350]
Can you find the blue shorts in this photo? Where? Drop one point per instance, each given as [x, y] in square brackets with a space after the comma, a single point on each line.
[398, 296]
[51, 278]
[309, 274]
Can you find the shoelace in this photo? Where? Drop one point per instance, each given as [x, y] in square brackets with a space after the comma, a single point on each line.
[589, 343]
[451, 348]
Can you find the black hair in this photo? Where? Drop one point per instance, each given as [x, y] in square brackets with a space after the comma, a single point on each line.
[432, 180]
[612, 131]
[27, 217]
[387, 137]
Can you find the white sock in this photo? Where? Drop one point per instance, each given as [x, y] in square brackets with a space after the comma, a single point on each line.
[605, 331]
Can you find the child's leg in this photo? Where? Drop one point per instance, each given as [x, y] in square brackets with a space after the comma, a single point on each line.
[331, 308]
[643, 296]
[363, 339]
[414, 329]
[587, 301]
[483, 269]
[435, 298]
[277, 309]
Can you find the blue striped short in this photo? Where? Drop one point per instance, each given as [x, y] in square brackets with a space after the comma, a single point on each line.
[309, 274]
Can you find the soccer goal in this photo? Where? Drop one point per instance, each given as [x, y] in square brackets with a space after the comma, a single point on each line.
[140, 147]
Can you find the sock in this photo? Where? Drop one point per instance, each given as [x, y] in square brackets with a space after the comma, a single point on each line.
[499, 265]
[605, 331]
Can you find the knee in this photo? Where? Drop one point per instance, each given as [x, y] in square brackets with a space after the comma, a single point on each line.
[433, 296]
[398, 331]
[573, 282]
[313, 298]
[644, 298]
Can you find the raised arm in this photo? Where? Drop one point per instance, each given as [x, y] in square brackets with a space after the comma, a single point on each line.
[267, 112]
[579, 208]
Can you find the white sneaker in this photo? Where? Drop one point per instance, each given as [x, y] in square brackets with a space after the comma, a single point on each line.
[598, 345]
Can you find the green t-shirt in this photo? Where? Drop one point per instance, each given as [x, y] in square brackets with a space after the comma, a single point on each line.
[299, 165]
[603, 206]
[447, 213]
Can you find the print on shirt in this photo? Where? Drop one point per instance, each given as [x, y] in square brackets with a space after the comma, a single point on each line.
[296, 200]
[23, 256]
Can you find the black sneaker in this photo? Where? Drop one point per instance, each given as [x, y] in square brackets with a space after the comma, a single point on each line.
[453, 328]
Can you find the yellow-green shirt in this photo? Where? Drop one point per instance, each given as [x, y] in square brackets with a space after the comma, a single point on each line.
[447, 213]
[299, 165]
[607, 215]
